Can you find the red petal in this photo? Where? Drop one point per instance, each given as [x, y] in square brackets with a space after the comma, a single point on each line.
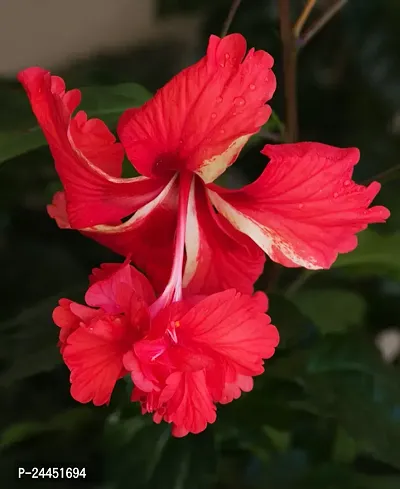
[84, 151]
[142, 377]
[201, 119]
[95, 364]
[304, 209]
[104, 292]
[189, 403]
[234, 390]
[234, 326]
[217, 256]
[58, 210]
[148, 236]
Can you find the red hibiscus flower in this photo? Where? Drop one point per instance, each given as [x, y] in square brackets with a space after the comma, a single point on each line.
[183, 356]
[302, 211]
[93, 341]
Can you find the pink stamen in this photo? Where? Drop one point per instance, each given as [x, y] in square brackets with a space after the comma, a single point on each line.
[173, 290]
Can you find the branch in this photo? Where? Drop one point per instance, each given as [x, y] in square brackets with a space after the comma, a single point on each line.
[303, 18]
[383, 175]
[319, 24]
[230, 17]
[289, 71]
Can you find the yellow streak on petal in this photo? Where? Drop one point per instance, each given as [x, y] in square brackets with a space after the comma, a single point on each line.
[266, 238]
[214, 167]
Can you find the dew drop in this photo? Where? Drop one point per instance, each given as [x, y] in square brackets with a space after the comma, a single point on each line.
[213, 115]
[301, 206]
[219, 100]
[234, 113]
[222, 131]
[252, 86]
[346, 183]
[227, 55]
[181, 141]
[239, 101]
[335, 195]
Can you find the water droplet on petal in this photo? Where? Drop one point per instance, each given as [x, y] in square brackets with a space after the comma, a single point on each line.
[219, 100]
[222, 131]
[239, 101]
[227, 55]
[346, 183]
[252, 86]
[213, 115]
[234, 113]
[335, 195]
[181, 141]
[301, 206]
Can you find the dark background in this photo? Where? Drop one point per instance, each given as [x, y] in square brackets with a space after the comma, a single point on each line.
[326, 413]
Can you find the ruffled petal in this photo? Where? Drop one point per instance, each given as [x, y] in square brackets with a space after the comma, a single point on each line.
[148, 236]
[235, 327]
[106, 291]
[95, 364]
[234, 390]
[218, 257]
[87, 158]
[202, 118]
[305, 208]
[189, 404]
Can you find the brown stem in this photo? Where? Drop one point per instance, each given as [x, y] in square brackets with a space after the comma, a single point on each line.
[289, 71]
[303, 17]
[289, 82]
[383, 175]
[230, 17]
[319, 24]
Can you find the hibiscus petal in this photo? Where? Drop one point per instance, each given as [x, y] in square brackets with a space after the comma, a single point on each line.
[148, 236]
[87, 158]
[305, 208]
[234, 390]
[189, 404]
[218, 257]
[104, 292]
[202, 118]
[234, 326]
[95, 364]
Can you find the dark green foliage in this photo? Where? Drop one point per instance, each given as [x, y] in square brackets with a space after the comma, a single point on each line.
[326, 412]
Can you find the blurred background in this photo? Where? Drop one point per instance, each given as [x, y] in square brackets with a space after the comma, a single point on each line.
[326, 414]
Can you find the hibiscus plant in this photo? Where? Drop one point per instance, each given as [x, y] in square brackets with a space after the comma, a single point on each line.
[198, 312]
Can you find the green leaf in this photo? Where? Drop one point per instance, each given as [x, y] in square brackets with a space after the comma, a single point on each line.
[106, 103]
[376, 254]
[295, 329]
[65, 421]
[347, 380]
[158, 461]
[29, 341]
[331, 310]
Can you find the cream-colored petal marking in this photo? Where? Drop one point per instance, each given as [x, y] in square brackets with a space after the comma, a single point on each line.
[265, 237]
[139, 214]
[192, 239]
[215, 166]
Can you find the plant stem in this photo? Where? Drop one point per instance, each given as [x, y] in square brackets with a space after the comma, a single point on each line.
[289, 71]
[383, 175]
[230, 17]
[319, 24]
[303, 17]
[289, 81]
[298, 282]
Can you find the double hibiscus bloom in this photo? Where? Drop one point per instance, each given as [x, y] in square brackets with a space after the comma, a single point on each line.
[191, 334]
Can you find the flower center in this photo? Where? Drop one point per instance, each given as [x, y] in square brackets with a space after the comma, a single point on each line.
[167, 164]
